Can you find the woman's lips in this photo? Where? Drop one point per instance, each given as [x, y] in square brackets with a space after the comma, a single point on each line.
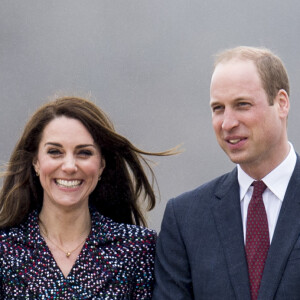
[68, 183]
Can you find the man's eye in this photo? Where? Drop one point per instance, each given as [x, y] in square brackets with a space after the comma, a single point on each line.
[217, 108]
[244, 104]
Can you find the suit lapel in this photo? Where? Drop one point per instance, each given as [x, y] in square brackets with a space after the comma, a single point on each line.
[286, 234]
[227, 214]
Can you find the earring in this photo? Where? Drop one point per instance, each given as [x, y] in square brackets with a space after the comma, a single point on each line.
[99, 178]
[37, 173]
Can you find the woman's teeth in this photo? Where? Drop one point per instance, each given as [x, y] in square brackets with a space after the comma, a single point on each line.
[68, 183]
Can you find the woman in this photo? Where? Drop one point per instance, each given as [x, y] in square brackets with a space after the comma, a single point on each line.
[70, 211]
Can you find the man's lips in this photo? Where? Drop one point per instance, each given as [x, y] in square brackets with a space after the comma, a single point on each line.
[235, 140]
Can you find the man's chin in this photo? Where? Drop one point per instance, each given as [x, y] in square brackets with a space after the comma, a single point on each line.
[237, 158]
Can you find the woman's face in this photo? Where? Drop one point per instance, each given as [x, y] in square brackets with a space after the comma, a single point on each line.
[68, 162]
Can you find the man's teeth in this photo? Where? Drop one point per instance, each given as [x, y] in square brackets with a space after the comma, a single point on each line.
[68, 183]
[235, 141]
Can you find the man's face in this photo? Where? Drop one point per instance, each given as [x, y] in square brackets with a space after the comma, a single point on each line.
[248, 129]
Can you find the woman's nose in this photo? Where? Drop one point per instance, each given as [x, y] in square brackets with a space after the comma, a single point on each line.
[69, 164]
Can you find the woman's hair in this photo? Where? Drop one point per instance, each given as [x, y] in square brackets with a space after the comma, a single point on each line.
[123, 181]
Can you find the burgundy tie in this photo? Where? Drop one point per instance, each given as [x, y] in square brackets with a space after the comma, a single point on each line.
[257, 237]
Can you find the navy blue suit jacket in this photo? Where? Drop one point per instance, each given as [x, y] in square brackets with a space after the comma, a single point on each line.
[200, 249]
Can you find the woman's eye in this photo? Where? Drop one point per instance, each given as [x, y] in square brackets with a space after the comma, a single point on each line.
[54, 152]
[85, 153]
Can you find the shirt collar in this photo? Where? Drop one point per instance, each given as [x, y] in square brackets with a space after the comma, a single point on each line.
[277, 180]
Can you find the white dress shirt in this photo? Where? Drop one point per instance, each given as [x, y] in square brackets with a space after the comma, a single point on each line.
[276, 181]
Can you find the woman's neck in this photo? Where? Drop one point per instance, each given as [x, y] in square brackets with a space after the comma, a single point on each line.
[65, 226]
[65, 231]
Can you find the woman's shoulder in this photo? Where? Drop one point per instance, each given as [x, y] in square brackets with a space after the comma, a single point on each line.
[121, 231]
[128, 230]
[5, 234]
[135, 230]
[10, 237]
[18, 232]
[9, 233]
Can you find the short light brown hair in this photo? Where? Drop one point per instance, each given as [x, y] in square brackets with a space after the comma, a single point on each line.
[270, 67]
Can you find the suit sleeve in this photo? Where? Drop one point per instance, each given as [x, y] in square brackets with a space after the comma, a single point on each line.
[172, 269]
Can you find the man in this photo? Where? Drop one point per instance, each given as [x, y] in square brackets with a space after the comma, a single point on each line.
[220, 241]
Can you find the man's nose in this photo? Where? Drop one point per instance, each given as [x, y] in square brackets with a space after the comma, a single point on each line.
[229, 120]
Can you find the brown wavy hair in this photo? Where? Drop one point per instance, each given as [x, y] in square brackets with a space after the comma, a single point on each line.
[123, 182]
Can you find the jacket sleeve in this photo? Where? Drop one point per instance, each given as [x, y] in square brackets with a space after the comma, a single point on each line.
[172, 270]
[144, 270]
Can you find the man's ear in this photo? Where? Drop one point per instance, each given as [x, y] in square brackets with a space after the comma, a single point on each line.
[283, 102]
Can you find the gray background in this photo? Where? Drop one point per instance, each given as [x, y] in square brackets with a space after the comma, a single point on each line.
[146, 63]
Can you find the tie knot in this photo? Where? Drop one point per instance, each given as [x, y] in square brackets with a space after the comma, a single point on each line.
[259, 187]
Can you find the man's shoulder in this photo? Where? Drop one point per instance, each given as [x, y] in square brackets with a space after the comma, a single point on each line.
[203, 194]
[208, 187]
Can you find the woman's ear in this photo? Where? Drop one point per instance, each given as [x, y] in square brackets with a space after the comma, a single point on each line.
[102, 166]
[36, 166]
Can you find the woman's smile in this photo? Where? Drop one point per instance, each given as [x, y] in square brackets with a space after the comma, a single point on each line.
[69, 165]
[68, 183]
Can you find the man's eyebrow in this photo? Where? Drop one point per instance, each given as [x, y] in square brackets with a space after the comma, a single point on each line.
[214, 103]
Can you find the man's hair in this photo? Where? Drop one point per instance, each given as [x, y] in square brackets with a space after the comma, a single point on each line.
[270, 68]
